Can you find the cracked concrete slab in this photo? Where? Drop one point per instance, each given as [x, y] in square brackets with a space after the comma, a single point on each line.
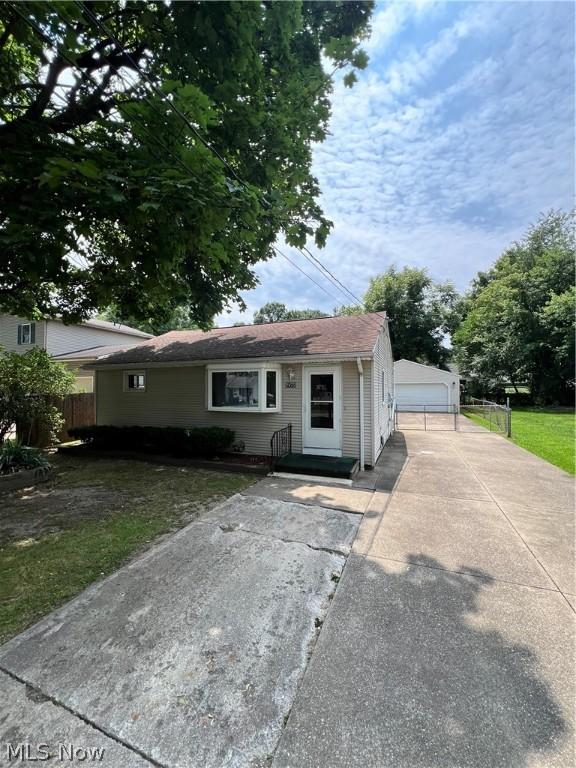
[314, 526]
[330, 496]
[550, 534]
[192, 653]
[27, 718]
[422, 668]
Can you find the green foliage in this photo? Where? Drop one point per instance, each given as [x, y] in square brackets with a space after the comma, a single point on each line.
[29, 384]
[275, 312]
[519, 323]
[174, 441]
[547, 433]
[14, 456]
[422, 313]
[107, 198]
[163, 320]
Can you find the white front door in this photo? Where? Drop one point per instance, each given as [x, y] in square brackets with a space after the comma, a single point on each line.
[322, 411]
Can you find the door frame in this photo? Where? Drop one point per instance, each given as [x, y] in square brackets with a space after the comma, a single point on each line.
[336, 371]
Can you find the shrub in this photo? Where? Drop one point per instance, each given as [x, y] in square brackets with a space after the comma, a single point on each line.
[175, 441]
[14, 457]
[29, 385]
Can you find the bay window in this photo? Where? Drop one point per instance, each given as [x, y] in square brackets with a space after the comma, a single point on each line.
[242, 387]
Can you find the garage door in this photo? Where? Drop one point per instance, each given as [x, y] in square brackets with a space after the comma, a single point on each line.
[416, 396]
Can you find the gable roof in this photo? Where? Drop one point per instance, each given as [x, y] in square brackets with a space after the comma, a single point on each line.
[349, 336]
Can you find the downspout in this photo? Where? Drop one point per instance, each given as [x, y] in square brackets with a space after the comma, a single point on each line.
[361, 409]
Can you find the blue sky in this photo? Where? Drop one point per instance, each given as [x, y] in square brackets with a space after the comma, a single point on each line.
[455, 138]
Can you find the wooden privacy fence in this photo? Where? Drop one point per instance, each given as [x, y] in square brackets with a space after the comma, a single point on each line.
[78, 410]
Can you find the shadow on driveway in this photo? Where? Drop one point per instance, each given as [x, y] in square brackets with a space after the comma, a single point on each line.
[413, 669]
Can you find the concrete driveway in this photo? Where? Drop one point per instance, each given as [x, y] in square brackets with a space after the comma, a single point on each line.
[192, 654]
[449, 642]
[279, 630]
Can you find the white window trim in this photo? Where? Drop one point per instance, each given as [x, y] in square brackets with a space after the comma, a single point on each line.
[22, 326]
[134, 373]
[261, 368]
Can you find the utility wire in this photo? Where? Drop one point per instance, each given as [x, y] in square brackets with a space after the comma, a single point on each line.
[289, 260]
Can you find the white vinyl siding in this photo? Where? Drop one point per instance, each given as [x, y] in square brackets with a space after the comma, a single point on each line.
[71, 338]
[9, 333]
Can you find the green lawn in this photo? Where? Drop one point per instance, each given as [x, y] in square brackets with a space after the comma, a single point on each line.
[95, 515]
[549, 434]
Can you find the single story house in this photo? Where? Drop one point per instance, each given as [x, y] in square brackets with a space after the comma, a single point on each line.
[74, 345]
[330, 378]
[418, 387]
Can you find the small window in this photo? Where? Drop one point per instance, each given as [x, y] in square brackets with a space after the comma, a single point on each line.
[26, 333]
[135, 382]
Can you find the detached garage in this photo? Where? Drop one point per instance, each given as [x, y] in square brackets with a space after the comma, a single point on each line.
[418, 387]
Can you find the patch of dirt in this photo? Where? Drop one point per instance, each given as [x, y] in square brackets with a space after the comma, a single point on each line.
[30, 513]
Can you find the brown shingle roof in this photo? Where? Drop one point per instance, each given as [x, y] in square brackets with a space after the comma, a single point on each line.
[356, 334]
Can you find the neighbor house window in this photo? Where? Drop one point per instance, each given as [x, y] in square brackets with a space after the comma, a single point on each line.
[26, 333]
[134, 381]
[250, 388]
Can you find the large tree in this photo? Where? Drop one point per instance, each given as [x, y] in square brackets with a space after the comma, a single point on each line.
[519, 324]
[422, 313]
[275, 312]
[107, 196]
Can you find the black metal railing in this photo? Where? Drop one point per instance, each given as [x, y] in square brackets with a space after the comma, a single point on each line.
[280, 444]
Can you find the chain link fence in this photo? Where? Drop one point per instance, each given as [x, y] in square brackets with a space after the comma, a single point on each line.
[498, 417]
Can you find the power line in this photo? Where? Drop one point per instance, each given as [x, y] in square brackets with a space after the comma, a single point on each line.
[288, 259]
[325, 268]
[367, 321]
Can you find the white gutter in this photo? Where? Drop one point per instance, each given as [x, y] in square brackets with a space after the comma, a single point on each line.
[361, 409]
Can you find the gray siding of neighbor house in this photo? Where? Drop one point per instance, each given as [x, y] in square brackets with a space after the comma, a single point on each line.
[176, 396]
[9, 334]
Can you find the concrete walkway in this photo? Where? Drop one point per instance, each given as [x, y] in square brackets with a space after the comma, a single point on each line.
[449, 642]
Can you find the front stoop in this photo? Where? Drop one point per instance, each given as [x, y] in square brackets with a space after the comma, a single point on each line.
[321, 466]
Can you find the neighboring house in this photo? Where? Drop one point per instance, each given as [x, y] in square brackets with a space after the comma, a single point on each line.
[417, 386]
[331, 378]
[74, 345]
